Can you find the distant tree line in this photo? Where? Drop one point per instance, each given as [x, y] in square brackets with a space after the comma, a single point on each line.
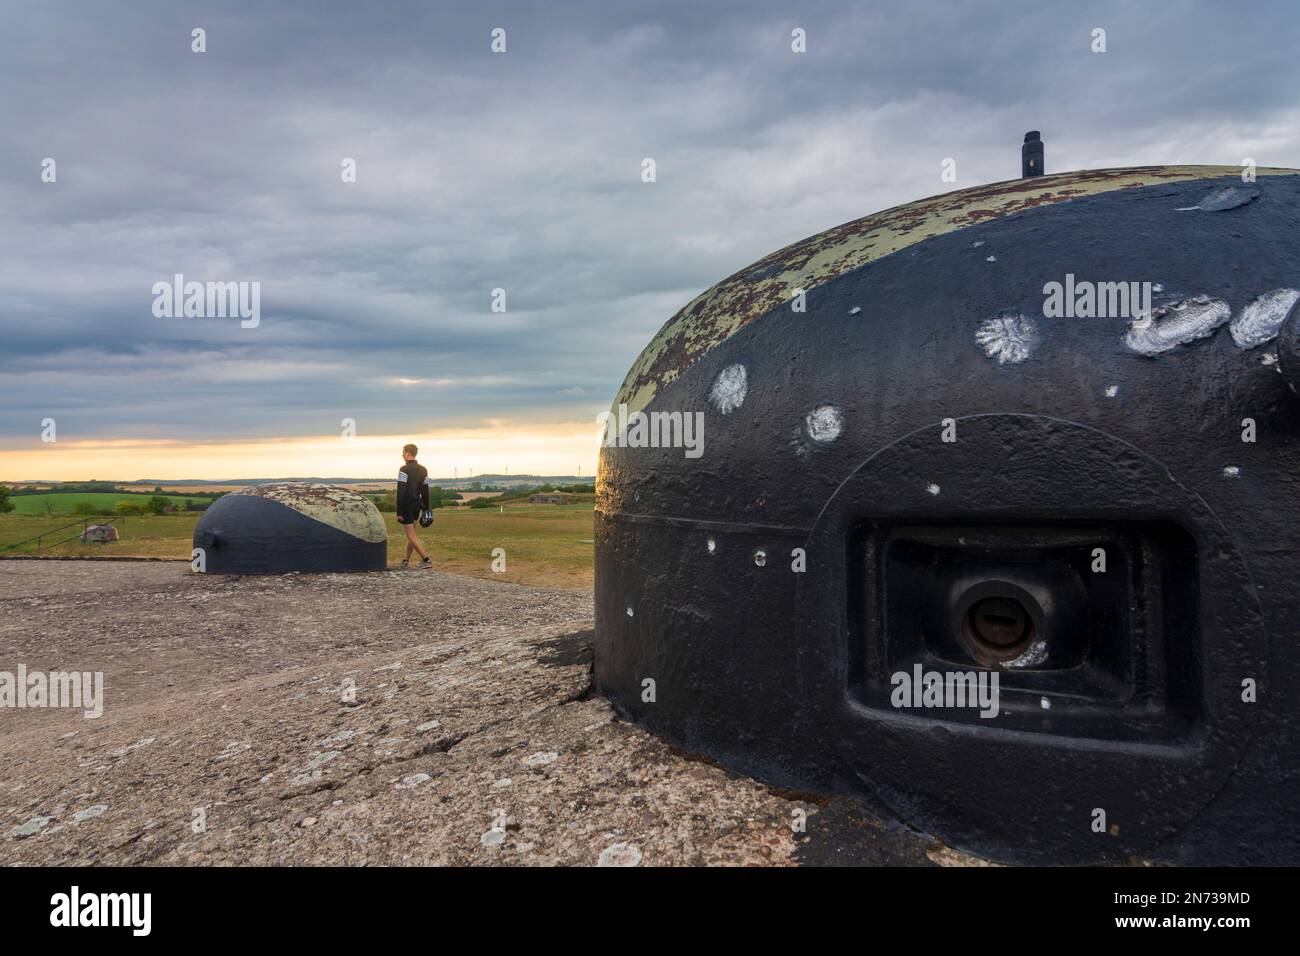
[438, 498]
[92, 486]
[527, 491]
[154, 503]
[101, 488]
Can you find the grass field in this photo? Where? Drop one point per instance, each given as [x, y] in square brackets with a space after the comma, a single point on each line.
[548, 545]
[64, 503]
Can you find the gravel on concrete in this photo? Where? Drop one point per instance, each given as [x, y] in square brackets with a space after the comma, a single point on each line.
[387, 718]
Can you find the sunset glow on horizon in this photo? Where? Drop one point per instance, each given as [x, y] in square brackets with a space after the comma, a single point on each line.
[568, 448]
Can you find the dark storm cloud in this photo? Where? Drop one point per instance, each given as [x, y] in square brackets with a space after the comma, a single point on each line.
[519, 171]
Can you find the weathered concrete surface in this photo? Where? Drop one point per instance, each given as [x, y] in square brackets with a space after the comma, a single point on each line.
[226, 704]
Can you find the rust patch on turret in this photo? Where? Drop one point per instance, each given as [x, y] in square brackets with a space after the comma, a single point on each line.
[740, 299]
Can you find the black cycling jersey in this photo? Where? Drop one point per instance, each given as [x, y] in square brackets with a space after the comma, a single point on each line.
[412, 489]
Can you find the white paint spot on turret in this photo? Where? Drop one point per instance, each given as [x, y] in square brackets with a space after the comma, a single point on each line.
[1034, 655]
[1008, 338]
[824, 423]
[1232, 471]
[1260, 321]
[729, 389]
[1044, 703]
[1228, 197]
[977, 243]
[1269, 358]
[712, 546]
[1170, 326]
[855, 310]
[1112, 391]
[932, 488]
[991, 259]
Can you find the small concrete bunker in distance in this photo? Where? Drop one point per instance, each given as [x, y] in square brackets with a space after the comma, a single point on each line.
[1037, 430]
[291, 526]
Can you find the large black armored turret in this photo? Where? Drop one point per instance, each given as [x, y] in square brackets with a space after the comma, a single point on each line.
[290, 526]
[1037, 431]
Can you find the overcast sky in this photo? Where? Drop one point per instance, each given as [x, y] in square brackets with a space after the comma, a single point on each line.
[519, 170]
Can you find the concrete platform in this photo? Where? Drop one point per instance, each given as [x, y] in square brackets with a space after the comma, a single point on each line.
[472, 736]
